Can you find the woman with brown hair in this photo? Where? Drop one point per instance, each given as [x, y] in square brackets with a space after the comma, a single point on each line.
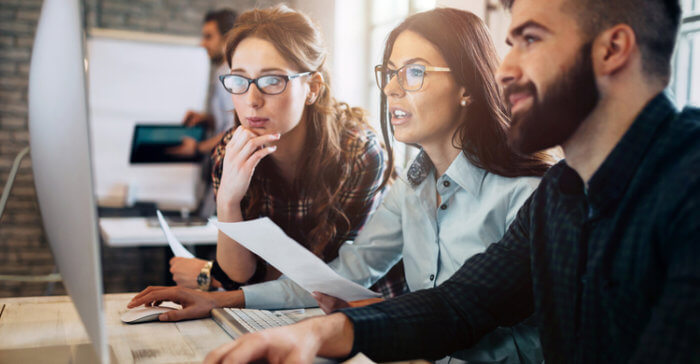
[459, 194]
[311, 164]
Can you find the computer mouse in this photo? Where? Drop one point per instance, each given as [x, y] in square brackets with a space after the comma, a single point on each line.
[144, 314]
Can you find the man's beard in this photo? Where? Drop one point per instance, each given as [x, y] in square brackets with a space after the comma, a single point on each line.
[564, 106]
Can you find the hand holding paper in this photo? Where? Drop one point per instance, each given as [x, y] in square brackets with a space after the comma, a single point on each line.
[268, 241]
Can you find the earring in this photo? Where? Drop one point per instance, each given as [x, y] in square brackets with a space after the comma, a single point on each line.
[463, 102]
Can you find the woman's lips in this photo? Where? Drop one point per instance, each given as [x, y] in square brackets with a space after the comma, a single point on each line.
[399, 116]
[257, 122]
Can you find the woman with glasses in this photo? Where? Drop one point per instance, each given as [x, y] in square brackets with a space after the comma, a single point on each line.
[462, 190]
[296, 155]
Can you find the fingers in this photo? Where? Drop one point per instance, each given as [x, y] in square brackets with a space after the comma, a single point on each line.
[252, 145]
[187, 313]
[246, 349]
[154, 294]
[329, 303]
[217, 354]
[366, 302]
[240, 136]
[257, 156]
[142, 293]
[188, 116]
[244, 142]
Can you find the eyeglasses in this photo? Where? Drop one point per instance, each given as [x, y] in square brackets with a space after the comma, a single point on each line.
[268, 84]
[410, 76]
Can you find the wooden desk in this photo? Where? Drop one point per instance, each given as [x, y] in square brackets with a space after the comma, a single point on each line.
[52, 322]
[49, 328]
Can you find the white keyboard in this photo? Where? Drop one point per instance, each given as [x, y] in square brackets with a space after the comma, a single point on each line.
[256, 320]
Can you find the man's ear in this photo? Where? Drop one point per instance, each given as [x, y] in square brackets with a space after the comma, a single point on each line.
[613, 50]
[316, 85]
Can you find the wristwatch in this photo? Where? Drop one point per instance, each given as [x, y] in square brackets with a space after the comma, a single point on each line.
[204, 277]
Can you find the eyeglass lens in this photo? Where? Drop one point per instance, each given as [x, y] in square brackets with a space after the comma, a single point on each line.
[410, 76]
[271, 85]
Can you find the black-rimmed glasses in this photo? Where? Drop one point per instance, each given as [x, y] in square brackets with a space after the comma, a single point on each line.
[410, 76]
[268, 84]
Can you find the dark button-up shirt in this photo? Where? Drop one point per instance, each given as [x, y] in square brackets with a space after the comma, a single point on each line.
[611, 272]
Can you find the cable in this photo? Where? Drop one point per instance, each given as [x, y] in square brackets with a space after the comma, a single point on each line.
[11, 179]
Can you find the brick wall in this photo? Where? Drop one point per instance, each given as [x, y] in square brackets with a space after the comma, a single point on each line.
[23, 247]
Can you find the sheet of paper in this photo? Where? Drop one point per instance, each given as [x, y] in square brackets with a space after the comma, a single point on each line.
[178, 249]
[267, 240]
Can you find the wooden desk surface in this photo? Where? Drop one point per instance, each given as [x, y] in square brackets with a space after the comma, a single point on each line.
[43, 322]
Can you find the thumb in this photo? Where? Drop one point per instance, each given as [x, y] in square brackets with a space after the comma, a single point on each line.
[179, 315]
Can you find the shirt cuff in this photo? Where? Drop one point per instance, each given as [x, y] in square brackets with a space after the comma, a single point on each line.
[282, 293]
[368, 326]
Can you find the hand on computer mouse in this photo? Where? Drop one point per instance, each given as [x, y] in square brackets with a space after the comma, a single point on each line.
[195, 304]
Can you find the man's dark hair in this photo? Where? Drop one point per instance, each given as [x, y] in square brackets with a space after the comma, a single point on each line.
[655, 23]
[224, 18]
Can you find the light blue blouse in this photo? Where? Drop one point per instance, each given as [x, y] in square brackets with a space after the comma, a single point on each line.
[434, 241]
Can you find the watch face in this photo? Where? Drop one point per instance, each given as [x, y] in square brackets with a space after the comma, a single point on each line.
[202, 279]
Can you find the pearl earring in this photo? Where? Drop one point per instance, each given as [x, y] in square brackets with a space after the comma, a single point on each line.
[463, 102]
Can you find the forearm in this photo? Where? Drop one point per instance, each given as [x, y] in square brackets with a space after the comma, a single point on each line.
[235, 260]
[413, 326]
[229, 298]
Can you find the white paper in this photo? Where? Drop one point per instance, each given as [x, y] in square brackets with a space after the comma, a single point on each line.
[268, 241]
[178, 249]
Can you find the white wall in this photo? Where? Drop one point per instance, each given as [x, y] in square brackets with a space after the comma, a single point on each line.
[350, 63]
[344, 27]
[322, 12]
[477, 7]
[498, 20]
[344, 24]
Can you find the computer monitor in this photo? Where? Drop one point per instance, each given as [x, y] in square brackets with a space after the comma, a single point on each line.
[60, 151]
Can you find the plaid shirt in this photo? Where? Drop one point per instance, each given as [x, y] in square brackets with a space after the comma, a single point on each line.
[612, 272]
[290, 209]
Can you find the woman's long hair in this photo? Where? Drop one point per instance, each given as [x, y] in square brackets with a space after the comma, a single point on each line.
[464, 41]
[324, 162]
